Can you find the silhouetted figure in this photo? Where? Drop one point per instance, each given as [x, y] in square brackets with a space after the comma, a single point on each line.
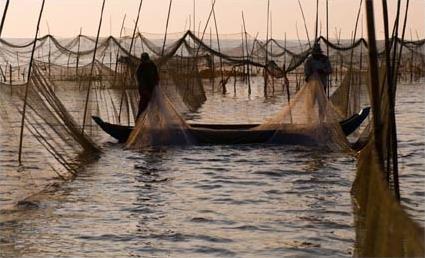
[147, 78]
[319, 64]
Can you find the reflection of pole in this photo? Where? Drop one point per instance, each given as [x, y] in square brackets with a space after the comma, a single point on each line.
[27, 85]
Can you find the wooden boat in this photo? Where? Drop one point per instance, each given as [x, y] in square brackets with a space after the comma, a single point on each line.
[237, 133]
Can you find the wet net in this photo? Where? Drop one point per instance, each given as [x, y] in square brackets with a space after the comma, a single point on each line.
[66, 89]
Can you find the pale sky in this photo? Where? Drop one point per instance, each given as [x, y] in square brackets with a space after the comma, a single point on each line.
[65, 17]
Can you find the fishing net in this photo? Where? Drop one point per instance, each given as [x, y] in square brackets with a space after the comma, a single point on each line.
[311, 118]
[383, 228]
[159, 125]
[68, 86]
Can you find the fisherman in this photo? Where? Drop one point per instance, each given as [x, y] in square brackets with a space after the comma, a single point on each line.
[147, 78]
[319, 64]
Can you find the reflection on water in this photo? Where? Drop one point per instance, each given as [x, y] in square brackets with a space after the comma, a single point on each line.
[209, 200]
[200, 201]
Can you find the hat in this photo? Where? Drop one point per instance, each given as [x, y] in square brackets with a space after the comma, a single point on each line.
[145, 56]
[316, 48]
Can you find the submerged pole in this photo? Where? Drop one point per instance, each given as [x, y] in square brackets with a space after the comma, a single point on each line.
[21, 135]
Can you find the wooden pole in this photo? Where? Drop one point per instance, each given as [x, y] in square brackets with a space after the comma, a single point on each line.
[394, 144]
[247, 54]
[78, 54]
[317, 21]
[267, 58]
[21, 135]
[3, 19]
[92, 67]
[375, 94]
[50, 49]
[166, 27]
[223, 84]
[351, 59]
[305, 23]
[328, 86]
[135, 27]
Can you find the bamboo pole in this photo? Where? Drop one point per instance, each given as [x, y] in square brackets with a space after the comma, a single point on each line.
[375, 95]
[392, 92]
[78, 54]
[305, 23]
[267, 56]
[247, 54]
[92, 67]
[116, 59]
[21, 135]
[223, 84]
[328, 86]
[166, 28]
[50, 49]
[3, 19]
[271, 46]
[351, 58]
[317, 21]
[135, 27]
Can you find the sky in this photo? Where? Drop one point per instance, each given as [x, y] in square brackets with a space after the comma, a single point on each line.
[64, 18]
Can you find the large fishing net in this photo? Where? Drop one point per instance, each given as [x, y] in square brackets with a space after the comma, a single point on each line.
[383, 228]
[68, 86]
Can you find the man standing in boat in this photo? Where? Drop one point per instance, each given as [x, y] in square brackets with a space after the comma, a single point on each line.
[147, 78]
[319, 64]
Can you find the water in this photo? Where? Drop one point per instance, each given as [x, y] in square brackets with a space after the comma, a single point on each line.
[208, 201]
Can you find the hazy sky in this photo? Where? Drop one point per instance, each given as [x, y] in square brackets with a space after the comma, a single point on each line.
[65, 17]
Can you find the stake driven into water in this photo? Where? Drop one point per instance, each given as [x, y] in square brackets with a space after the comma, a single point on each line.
[375, 95]
[92, 67]
[21, 136]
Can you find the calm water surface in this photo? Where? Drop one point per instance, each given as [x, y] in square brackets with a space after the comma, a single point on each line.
[206, 201]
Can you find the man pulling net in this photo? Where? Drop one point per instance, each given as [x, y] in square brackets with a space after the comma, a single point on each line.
[318, 64]
[147, 79]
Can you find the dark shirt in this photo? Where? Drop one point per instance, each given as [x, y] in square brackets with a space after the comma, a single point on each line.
[147, 76]
[318, 64]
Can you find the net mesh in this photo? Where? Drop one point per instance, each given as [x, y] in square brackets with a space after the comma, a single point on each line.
[64, 80]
